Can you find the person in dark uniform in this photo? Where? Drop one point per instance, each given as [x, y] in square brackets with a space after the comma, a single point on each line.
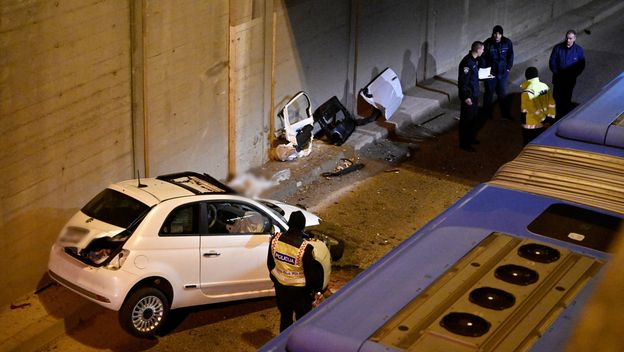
[567, 61]
[468, 85]
[497, 54]
[294, 271]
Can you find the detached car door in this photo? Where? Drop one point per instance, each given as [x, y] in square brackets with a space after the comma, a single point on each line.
[234, 251]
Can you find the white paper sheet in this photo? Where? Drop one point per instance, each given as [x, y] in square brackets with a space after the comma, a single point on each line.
[484, 73]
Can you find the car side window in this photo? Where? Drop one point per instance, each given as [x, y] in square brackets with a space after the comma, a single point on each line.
[181, 221]
[236, 218]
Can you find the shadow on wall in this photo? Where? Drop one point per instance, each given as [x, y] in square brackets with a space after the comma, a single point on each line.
[427, 67]
[26, 247]
[374, 74]
[408, 72]
[362, 108]
[320, 46]
[412, 75]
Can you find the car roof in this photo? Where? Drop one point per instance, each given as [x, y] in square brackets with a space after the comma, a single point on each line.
[152, 191]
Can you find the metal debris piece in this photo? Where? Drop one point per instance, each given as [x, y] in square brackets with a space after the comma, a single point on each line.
[344, 167]
[23, 305]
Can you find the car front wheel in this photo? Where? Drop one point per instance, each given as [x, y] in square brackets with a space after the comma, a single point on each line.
[144, 312]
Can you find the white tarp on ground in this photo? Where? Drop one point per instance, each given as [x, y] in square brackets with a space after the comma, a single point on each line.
[384, 92]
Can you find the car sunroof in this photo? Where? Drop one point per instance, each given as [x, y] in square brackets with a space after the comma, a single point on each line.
[196, 183]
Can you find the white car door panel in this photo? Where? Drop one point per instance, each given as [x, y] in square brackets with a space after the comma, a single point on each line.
[234, 252]
[232, 264]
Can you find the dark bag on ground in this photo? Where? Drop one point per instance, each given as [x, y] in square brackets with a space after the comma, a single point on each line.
[335, 121]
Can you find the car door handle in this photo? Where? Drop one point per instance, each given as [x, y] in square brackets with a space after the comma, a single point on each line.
[212, 254]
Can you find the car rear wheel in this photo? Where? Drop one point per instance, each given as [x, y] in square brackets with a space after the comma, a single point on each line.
[144, 312]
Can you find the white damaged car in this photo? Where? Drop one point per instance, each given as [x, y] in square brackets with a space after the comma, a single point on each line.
[143, 247]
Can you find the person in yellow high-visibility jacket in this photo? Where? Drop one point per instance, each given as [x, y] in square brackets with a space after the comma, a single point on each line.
[537, 106]
[295, 272]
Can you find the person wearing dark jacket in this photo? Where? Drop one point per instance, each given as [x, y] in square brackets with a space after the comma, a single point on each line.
[468, 85]
[567, 62]
[294, 271]
[498, 54]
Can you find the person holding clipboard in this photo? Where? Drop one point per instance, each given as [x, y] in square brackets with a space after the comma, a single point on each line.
[468, 86]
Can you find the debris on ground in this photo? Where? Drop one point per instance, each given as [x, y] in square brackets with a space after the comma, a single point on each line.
[344, 167]
[335, 121]
[298, 131]
[17, 306]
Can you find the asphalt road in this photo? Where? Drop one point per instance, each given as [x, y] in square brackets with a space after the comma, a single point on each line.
[403, 185]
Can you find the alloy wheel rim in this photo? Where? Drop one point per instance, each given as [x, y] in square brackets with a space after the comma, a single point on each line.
[147, 313]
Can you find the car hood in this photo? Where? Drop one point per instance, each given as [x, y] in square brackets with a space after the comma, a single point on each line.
[311, 219]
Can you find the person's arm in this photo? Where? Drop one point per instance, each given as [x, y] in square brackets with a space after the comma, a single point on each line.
[485, 60]
[463, 82]
[524, 106]
[581, 64]
[270, 260]
[551, 108]
[552, 62]
[313, 271]
[510, 56]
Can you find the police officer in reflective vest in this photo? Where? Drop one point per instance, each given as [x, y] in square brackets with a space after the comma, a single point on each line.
[537, 105]
[294, 271]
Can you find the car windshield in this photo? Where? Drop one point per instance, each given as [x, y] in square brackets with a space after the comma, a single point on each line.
[115, 208]
[277, 210]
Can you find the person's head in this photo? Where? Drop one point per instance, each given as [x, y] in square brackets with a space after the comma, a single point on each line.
[476, 48]
[497, 33]
[570, 37]
[531, 72]
[297, 221]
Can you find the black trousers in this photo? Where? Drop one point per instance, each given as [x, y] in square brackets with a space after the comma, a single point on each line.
[528, 134]
[292, 300]
[496, 85]
[468, 122]
[562, 93]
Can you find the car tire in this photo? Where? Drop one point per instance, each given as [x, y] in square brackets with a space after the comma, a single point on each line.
[144, 312]
[336, 250]
[335, 245]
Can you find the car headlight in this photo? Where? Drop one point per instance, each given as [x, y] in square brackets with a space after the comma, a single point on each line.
[117, 261]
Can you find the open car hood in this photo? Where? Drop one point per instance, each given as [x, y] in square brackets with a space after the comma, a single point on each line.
[287, 209]
[384, 92]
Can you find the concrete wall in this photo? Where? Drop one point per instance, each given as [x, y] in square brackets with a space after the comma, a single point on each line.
[312, 50]
[390, 34]
[250, 62]
[65, 127]
[186, 86]
[91, 91]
